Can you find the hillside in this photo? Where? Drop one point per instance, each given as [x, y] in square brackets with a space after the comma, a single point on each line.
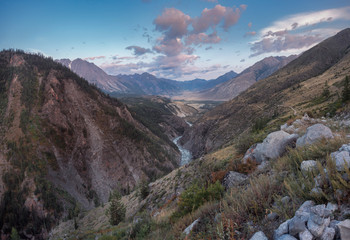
[296, 86]
[65, 145]
[138, 84]
[230, 89]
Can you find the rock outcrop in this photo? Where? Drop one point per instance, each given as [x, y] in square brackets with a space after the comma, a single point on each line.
[315, 133]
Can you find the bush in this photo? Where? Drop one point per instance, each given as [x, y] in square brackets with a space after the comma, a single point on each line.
[194, 196]
[116, 210]
[144, 189]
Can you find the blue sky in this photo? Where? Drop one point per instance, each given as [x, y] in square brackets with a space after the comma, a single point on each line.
[177, 39]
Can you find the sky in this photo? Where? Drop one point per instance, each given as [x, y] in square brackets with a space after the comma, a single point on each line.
[175, 39]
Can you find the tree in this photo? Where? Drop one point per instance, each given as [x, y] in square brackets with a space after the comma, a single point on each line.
[326, 92]
[14, 234]
[116, 210]
[346, 90]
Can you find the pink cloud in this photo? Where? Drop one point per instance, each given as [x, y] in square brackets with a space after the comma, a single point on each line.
[199, 38]
[172, 22]
[250, 25]
[169, 47]
[210, 18]
[252, 33]
[94, 58]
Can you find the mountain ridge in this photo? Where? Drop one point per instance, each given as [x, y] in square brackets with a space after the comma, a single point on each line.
[275, 94]
[138, 84]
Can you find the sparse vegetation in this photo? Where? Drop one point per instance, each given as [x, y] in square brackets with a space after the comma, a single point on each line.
[116, 210]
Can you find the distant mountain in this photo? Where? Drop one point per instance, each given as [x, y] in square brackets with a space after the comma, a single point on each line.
[65, 145]
[227, 90]
[94, 75]
[138, 84]
[291, 89]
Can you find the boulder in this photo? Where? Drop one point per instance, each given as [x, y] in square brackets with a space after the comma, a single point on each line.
[232, 179]
[305, 235]
[308, 166]
[315, 228]
[259, 236]
[344, 228]
[272, 216]
[341, 160]
[296, 225]
[281, 230]
[273, 146]
[345, 147]
[328, 234]
[305, 207]
[332, 207]
[314, 133]
[286, 237]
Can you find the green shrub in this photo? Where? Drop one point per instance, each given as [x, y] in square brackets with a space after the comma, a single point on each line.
[144, 190]
[116, 210]
[195, 196]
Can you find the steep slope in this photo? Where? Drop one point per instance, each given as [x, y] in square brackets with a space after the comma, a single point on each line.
[230, 89]
[66, 145]
[293, 87]
[138, 84]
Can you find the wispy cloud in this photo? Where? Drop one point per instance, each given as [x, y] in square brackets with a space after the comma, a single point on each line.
[94, 58]
[298, 31]
[138, 51]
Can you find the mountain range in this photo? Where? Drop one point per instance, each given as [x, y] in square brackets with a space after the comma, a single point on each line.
[138, 84]
[286, 92]
[223, 88]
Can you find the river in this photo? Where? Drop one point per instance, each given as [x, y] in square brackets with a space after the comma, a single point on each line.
[186, 155]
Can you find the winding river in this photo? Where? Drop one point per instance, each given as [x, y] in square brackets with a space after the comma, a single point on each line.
[186, 155]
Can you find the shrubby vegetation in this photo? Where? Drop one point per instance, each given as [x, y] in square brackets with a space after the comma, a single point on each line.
[116, 211]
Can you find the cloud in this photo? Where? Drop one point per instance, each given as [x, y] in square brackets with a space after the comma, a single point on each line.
[308, 19]
[242, 60]
[298, 32]
[210, 18]
[285, 42]
[252, 33]
[138, 51]
[208, 48]
[250, 25]
[94, 58]
[173, 23]
[199, 38]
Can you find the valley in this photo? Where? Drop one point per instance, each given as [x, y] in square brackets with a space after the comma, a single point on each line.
[89, 155]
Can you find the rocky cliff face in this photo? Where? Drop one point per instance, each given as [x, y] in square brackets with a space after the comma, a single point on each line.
[284, 92]
[66, 144]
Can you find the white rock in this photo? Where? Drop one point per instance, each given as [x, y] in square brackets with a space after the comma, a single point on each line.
[232, 179]
[341, 160]
[332, 207]
[286, 237]
[281, 230]
[259, 236]
[344, 228]
[314, 133]
[306, 235]
[189, 228]
[317, 229]
[273, 146]
[308, 166]
[328, 234]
